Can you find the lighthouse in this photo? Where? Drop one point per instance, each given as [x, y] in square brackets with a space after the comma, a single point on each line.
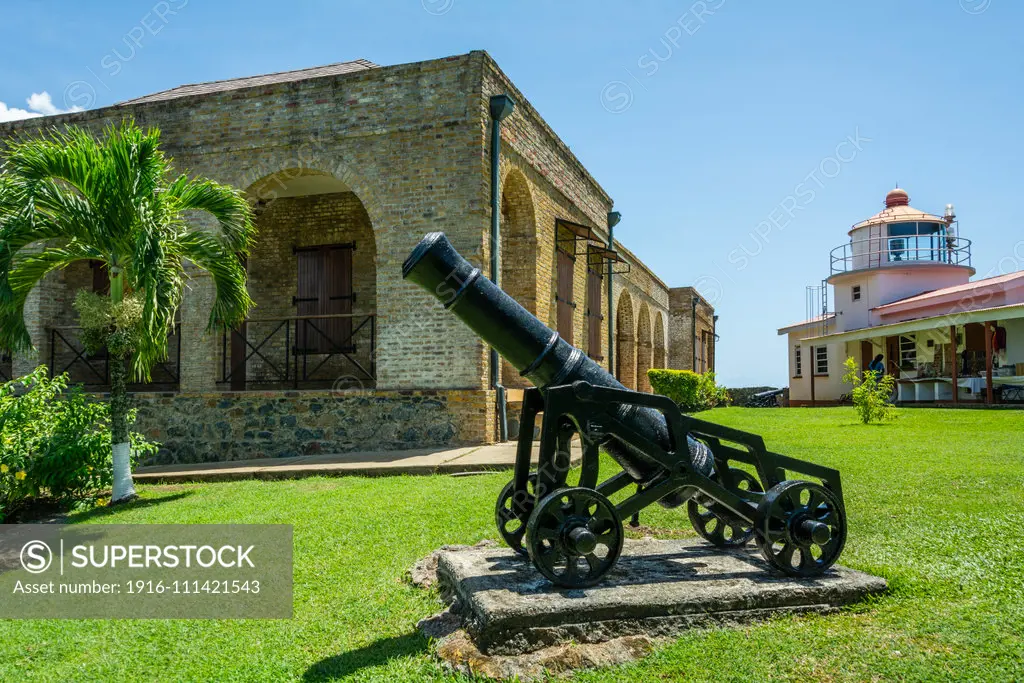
[899, 252]
[902, 291]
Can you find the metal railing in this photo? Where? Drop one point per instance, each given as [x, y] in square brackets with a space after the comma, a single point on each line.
[319, 351]
[876, 252]
[68, 354]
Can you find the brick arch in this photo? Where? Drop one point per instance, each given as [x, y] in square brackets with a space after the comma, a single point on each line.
[257, 176]
[644, 348]
[519, 240]
[660, 354]
[518, 252]
[302, 274]
[625, 342]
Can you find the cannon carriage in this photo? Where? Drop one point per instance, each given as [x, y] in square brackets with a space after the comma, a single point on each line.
[734, 489]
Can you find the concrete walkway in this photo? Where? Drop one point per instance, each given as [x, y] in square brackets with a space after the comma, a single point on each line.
[490, 458]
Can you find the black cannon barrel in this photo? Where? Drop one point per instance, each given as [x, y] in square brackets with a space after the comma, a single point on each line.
[534, 349]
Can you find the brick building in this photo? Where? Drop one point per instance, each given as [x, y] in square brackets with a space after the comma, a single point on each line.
[348, 166]
[691, 326]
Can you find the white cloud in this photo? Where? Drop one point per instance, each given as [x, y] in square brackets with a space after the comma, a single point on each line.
[39, 104]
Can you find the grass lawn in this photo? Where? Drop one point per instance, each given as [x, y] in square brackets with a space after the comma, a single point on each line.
[936, 506]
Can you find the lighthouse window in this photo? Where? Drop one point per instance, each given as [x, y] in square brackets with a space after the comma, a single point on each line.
[856, 292]
[915, 241]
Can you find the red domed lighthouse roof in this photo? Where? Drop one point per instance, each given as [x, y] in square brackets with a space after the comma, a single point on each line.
[897, 208]
[897, 197]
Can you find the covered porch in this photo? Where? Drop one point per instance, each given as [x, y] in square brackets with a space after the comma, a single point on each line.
[313, 276]
[968, 357]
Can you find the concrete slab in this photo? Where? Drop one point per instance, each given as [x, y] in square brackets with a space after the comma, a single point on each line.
[658, 588]
[466, 459]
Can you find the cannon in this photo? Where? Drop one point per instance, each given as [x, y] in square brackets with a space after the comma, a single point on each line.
[765, 399]
[734, 489]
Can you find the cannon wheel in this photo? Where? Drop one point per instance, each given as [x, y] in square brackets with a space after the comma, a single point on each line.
[801, 528]
[510, 526]
[716, 530]
[574, 537]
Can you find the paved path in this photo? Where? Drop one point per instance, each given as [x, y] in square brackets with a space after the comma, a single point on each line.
[495, 457]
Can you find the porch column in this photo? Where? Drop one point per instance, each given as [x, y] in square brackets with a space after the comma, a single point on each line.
[988, 361]
[812, 377]
[953, 364]
[199, 349]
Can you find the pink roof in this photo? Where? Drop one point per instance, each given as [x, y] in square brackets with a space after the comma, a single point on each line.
[998, 281]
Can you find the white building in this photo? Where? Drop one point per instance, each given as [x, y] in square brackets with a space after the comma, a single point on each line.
[901, 288]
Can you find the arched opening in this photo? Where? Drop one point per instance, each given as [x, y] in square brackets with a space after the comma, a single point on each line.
[625, 347]
[643, 348]
[313, 276]
[660, 355]
[518, 254]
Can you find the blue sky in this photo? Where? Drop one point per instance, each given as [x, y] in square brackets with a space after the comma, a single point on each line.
[740, 140]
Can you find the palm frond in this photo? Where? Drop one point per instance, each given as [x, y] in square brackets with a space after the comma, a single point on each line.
[21, 278]
[67, 196]
[231, 303]
[223, 203]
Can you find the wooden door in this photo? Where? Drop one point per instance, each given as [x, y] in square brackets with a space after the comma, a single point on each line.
[310, 268]
[100, 278]
[339, 298]
[566, 305]
[324, 288]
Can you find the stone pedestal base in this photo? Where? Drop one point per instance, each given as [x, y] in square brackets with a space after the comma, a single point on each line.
[658, 588]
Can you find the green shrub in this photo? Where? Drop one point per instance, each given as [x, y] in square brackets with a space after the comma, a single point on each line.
[691, 391]
[872, 394]
[54, 441]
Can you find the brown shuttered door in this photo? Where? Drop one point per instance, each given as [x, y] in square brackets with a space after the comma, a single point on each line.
[324, 288]
[564, 296]
[100, 279]
[593, 314]
[338, 285]
[307, 300]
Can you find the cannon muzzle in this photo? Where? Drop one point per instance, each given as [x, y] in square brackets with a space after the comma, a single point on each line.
[538, 353]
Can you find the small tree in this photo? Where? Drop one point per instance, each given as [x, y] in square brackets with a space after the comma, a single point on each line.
[872, 392]
[67, 196]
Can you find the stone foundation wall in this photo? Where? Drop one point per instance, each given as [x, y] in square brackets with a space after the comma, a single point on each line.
[230, 426]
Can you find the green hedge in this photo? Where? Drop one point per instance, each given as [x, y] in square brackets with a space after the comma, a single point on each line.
[691, 391]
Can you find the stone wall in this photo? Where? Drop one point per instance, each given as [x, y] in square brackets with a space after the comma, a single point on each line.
[231, 426]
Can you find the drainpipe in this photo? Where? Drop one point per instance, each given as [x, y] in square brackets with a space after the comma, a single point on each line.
[500, 106]
[613, 219]
[693, 329]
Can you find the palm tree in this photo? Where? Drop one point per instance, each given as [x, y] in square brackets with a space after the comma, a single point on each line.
[67, 196]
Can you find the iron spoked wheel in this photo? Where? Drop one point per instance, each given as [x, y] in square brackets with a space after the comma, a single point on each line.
[801, 528]
[717, 530]
[511, 520]
[574, 537]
